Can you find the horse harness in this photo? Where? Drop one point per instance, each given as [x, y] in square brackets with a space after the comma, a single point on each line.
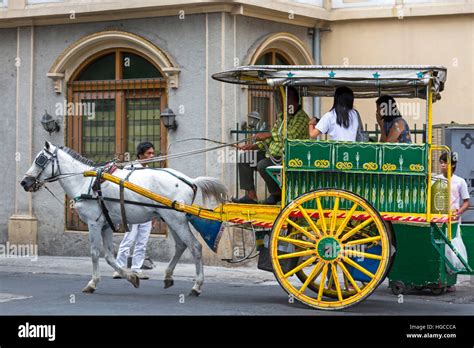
[97, 188]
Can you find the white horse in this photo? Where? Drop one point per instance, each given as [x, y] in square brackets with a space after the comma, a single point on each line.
[66, 166]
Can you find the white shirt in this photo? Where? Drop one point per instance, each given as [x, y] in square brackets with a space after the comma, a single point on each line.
[135, 165]
[328, 125]
[459, 191]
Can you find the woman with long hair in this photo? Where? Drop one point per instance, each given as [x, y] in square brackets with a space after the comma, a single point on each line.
[341, 122]
[393, 127]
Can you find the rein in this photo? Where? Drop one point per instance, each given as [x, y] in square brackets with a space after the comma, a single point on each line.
[42, 161]
[182, 154]
[52, 194]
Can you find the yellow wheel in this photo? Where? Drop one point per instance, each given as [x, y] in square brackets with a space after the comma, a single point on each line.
[341, 245]
[304, 273]
[347, 289]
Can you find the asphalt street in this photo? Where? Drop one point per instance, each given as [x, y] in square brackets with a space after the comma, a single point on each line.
[23, 293]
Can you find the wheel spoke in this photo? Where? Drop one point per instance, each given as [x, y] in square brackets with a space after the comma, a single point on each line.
[321, 215]
[357, 229]
[297, 254]
[346, 220]
[300, 267]
[336, 281]
[294, 233]
[354, 253]
[310, 221]
[357, 266]
[314, 273]
[322, 281]
[334, 216]
[300, 243]
[346, 282]
[301, 229]
[364, 240]
[330, 279]
[348, 276]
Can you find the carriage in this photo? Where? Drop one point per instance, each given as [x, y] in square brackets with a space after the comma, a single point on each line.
[333, 238]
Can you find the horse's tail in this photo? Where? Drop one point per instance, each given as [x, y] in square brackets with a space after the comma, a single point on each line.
[211, 188]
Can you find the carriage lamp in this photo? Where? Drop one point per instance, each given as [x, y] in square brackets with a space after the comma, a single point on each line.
[254, 119]
[49, 124]
[169, 119]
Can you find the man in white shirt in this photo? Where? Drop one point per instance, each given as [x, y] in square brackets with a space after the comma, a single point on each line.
[459, 191]
[139, 233]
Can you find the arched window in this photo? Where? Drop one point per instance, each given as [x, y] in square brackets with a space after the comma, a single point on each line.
[115, 99]
[261, 98]
[114, 103]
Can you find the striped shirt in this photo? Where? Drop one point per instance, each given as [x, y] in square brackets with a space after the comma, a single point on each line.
[297, 129]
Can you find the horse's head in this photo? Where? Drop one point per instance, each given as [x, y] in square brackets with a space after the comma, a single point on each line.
[44, 167]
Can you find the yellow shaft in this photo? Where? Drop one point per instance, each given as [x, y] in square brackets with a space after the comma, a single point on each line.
[179, 206]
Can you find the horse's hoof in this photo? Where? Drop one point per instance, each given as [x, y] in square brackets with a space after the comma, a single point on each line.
[88, 289]
[169, 283]
[133, 278]
[194, 293]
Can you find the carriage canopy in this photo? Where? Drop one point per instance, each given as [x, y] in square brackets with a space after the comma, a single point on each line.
[405, 81]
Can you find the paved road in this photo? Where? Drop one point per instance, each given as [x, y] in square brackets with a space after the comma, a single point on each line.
[50, 294]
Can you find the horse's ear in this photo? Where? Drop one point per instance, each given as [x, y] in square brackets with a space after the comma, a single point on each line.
[46, 145]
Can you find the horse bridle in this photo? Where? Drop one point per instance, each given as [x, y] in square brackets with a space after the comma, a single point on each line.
[42, 161]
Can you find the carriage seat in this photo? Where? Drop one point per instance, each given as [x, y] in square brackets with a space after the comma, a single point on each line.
[275, 173]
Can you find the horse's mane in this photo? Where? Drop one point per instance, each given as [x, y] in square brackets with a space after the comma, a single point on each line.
[77, 156]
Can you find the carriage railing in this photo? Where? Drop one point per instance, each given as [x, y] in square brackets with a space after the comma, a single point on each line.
[240, 134]
[418, 136]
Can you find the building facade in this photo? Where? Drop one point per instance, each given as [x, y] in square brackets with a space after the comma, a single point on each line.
[132, 60]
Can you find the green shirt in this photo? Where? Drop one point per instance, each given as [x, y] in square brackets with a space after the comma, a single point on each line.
[297, 129]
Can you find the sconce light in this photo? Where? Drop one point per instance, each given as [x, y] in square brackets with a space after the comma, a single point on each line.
[49, 124]
[169, 119]
[254, 119]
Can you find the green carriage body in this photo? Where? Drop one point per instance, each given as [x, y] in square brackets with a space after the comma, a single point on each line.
[338, 193]
[392, 177]
[418, 263]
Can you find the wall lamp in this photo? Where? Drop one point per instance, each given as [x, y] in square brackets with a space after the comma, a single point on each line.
[49, 123]
[169, 119]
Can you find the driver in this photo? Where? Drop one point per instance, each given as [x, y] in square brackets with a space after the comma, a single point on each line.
[270, 149]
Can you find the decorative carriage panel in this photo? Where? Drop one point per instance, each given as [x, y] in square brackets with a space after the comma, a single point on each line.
[409, 159]
[390, 176]
[388, 193]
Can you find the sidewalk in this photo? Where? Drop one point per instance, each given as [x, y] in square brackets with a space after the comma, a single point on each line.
[183, 271]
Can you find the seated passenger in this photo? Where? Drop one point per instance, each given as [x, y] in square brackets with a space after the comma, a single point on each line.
[341, 122]
[269, 147]
[393, 127]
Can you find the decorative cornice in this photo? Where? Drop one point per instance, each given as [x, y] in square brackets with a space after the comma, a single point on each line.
[70, 59]
[287, 42]
[291, 12]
